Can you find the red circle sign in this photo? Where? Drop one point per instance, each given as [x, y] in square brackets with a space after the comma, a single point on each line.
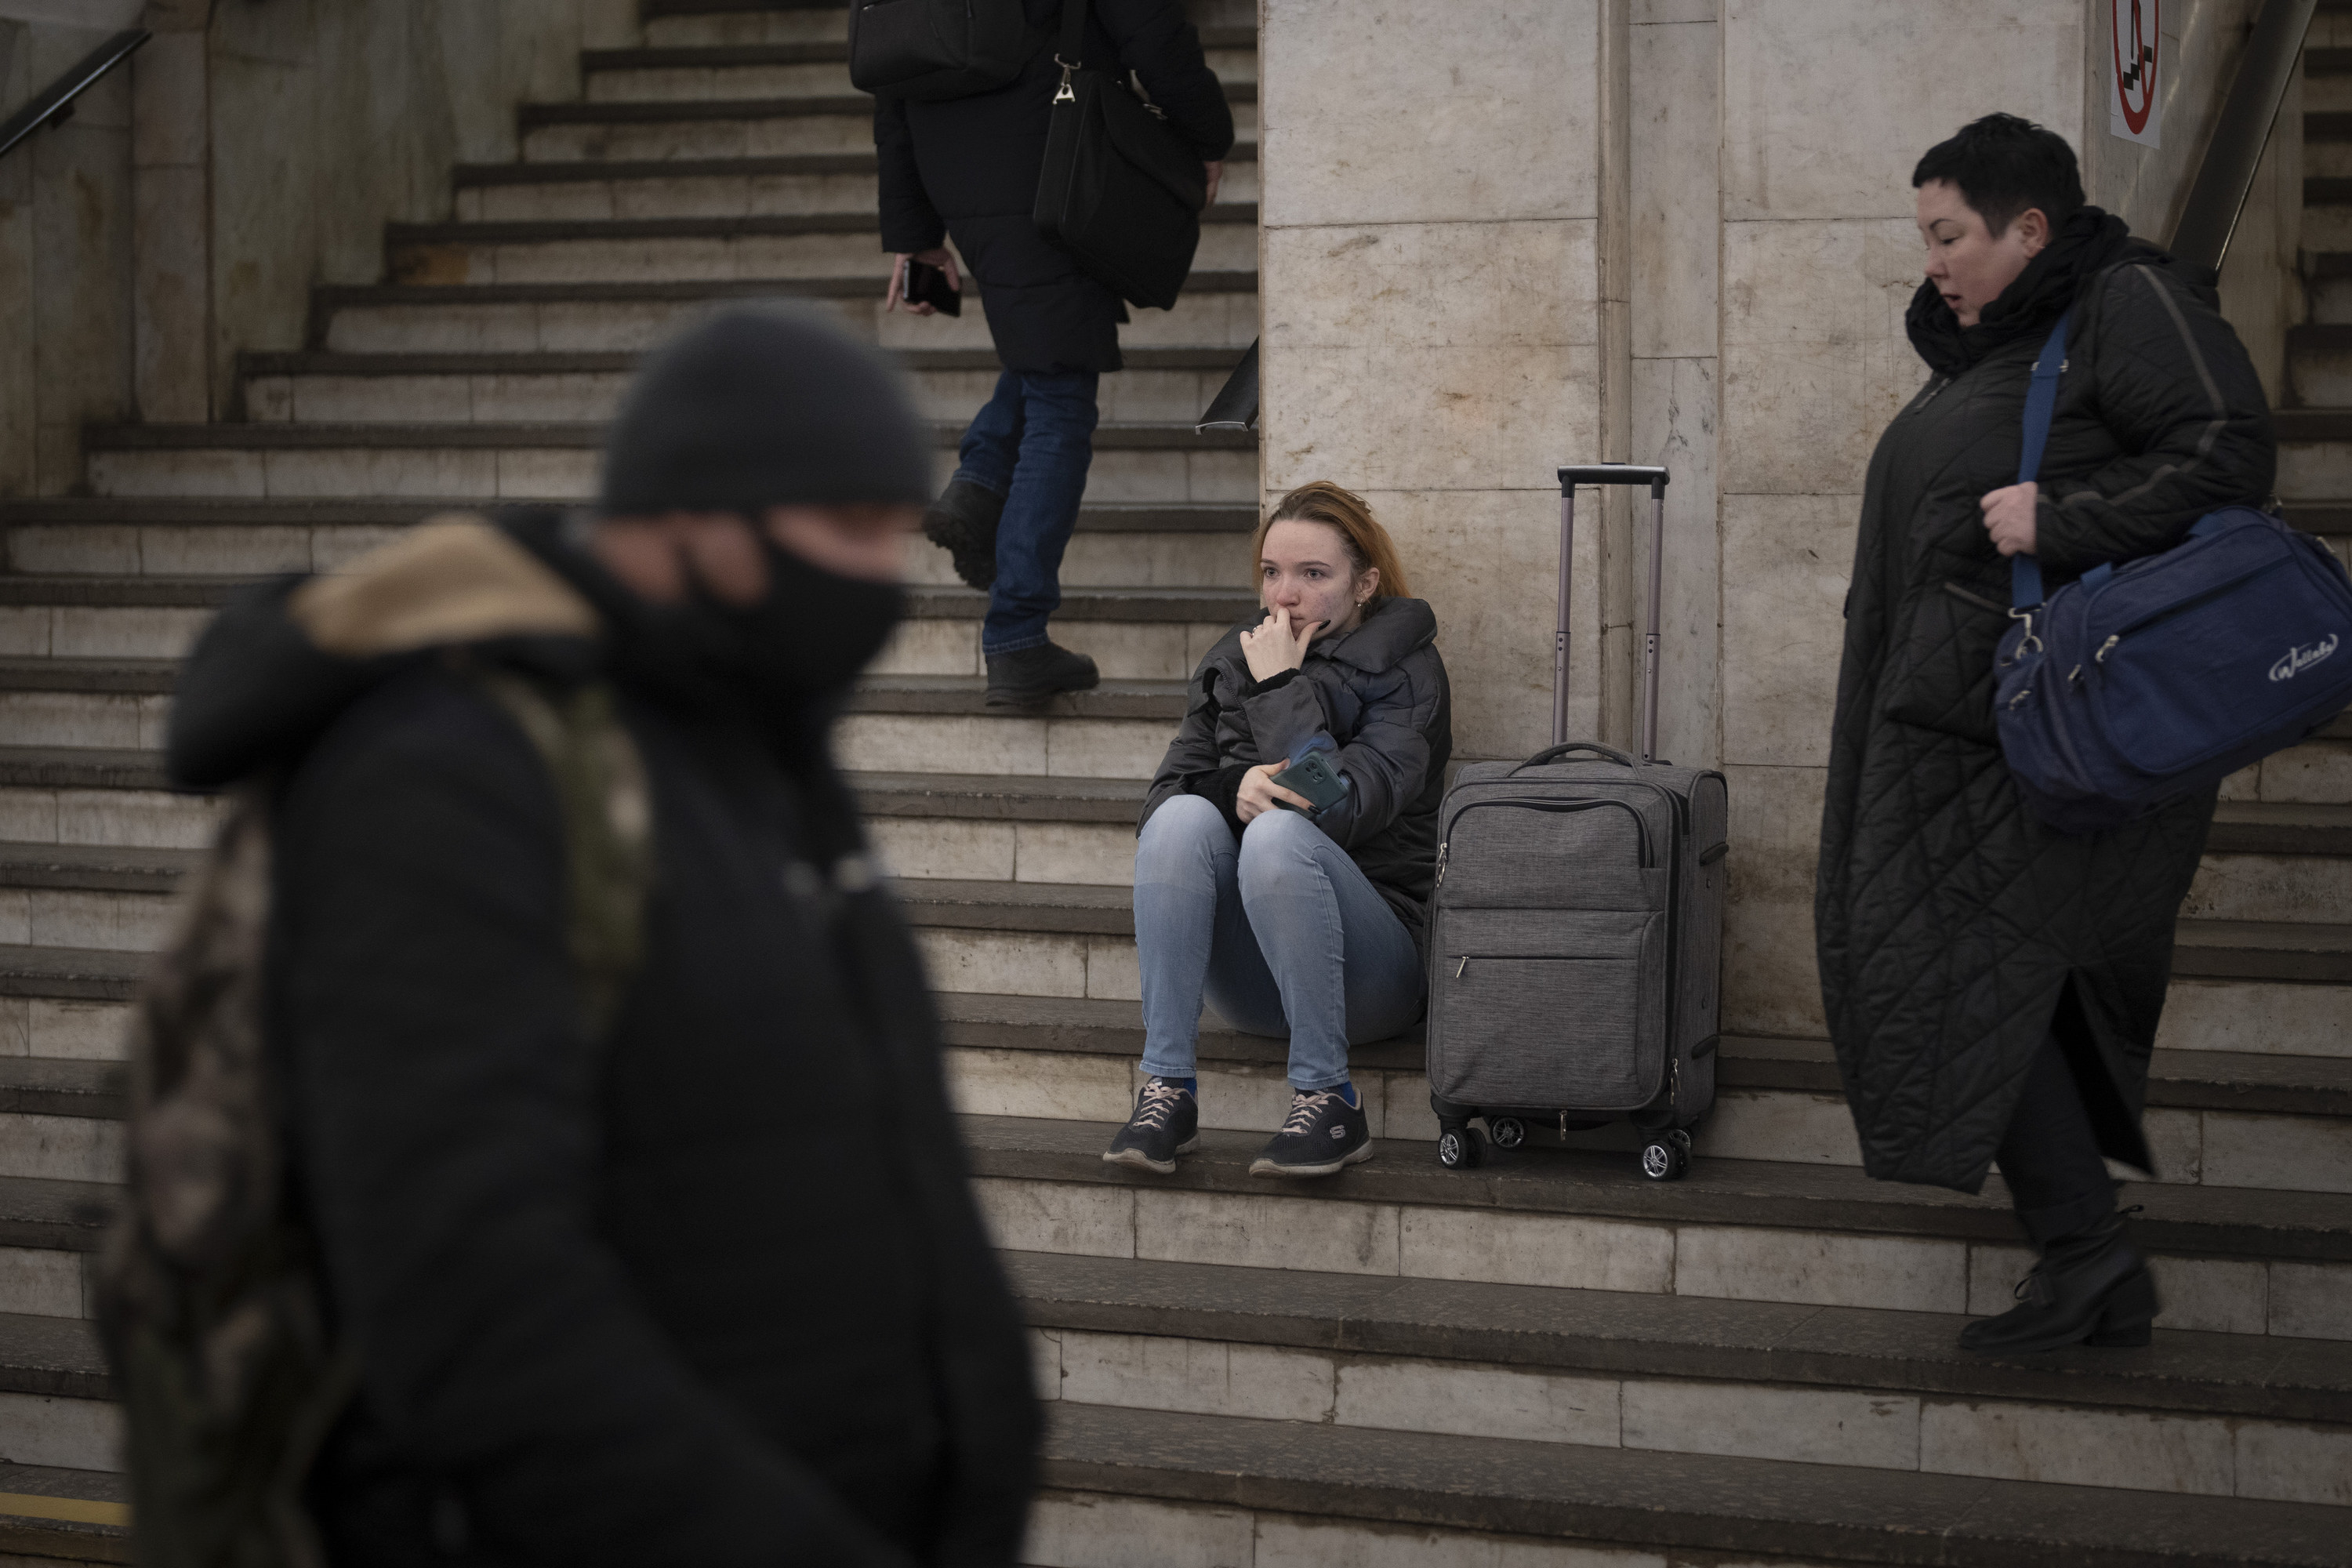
[2134, 34]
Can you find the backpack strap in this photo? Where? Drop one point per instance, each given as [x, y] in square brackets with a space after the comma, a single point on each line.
[2040, 403]
[607, 808]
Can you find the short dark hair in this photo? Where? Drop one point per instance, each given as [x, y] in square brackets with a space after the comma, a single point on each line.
[2003, 165]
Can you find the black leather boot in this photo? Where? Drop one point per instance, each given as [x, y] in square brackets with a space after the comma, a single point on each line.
[2091, 1287]
[962, 522]
[1025, 679]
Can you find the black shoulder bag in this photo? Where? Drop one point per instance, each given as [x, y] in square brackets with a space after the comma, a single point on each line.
[930, 50]
[1121, 191]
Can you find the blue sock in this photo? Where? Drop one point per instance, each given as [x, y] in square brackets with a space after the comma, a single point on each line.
[1190, 1085]
[1346, 1091]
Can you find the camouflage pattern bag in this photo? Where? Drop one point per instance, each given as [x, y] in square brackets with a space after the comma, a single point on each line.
[210, 1300]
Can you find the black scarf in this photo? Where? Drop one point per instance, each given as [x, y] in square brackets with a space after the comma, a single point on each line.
[2087, 243]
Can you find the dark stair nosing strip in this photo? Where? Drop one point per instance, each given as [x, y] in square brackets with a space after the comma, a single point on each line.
[1672, 1501]
[63, 1216]
[589, 171]
[569, 231]
[662, 111]
[330, 297]
[291, 437]
[2254, 1223]
[260, 512]
[33, 1085]
[1619, 1333]
[348, 365]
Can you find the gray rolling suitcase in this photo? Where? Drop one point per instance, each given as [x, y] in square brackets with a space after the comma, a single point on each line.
[1576, 927]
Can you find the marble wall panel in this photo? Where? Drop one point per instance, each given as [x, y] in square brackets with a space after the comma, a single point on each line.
[1433, 285]
[1382, 416]
[1675, 64]
[1405, 127]
[1770, 981]
[1786, 564]
[1902, 76]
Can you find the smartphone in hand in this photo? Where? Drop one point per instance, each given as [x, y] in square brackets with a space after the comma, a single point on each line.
[927, 285]
[1312, 776]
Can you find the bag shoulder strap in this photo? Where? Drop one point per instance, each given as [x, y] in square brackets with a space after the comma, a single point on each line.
[607, 810]
[1071, 54]
[2040, 403]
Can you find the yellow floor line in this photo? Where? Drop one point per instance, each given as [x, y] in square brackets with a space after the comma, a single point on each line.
[78, 1510]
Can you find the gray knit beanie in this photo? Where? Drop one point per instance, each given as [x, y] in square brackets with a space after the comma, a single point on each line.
[764, 406]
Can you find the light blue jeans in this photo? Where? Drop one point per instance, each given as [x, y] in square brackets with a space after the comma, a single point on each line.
[1279, 932]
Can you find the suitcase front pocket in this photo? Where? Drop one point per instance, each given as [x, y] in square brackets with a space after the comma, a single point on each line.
[1580, 1031]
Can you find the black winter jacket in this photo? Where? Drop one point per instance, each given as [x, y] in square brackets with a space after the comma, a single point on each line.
[654, 1299]
[969, 167]
[1379, 693]
[1953, 928]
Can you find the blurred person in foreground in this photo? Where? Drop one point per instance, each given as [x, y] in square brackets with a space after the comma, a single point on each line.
[1993, 985]
[705, 1286]
[968, 167]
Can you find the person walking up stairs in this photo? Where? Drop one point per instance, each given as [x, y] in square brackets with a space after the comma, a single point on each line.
[1543, 1363]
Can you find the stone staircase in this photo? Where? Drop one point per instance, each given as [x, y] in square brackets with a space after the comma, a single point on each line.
[1541, 1363]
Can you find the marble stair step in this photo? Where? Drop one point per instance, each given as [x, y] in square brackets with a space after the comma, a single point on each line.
[824, 245]
[1135, 633]
[1170, 385]
[707, 187]
[51, 1514]
[891, 724]
[700, 22]
[1118, 544]
[744, 128]
[2215, 1118]
[2327, 274]
[2229, 1260]
[1222, 1488]
[749, 71]
[1610, 1370]
[1217, 309]
[1132, 462]
[1585, 1371]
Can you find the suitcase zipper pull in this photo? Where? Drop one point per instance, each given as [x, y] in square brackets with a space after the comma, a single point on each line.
[1461, 966]
[1441, 862]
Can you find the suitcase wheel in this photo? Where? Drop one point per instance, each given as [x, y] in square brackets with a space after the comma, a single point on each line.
[1507, 1132]
[1457, 1148]
[1667, 1157]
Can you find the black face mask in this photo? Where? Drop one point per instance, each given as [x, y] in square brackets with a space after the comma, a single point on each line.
[803, 642]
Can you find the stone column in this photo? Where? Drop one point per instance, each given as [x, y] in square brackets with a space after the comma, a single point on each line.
[1430, 285]
[171, 216]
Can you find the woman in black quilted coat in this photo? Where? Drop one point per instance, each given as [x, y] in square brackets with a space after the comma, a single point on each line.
[1993, 986]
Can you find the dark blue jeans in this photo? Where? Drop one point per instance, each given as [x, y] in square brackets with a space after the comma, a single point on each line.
[1032, 445]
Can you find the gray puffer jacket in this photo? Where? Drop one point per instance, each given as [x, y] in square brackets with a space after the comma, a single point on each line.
[1379, 693]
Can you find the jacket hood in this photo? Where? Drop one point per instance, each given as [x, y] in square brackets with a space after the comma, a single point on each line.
[2087, 244]
[1390, 629]
[284, 657]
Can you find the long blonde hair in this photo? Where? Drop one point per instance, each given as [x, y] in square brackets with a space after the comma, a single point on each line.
[1368, 543]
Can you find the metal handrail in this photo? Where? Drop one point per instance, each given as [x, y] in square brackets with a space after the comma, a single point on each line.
[57, 103]
[1235, 405]
[2226, 176]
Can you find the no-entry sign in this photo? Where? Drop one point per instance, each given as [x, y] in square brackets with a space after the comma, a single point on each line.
[2134, 111]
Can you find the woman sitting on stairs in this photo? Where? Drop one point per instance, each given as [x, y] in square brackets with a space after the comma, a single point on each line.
[1286, 918]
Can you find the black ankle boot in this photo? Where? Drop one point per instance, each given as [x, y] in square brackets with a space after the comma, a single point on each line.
[1025, 679]
[962, 522]
[2091, 1287]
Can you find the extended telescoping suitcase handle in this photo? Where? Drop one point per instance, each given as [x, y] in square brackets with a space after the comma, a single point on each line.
[1610, 474]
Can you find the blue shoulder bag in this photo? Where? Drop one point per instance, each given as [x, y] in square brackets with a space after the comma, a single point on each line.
[2151, 679]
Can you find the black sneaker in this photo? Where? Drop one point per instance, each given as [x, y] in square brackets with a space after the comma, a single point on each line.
[962, 522]
[1033, 675]
[1166, 1124]
[1324, 1133]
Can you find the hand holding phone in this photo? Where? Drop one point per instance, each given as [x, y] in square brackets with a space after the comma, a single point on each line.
[1312, 776]
[927, 285]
